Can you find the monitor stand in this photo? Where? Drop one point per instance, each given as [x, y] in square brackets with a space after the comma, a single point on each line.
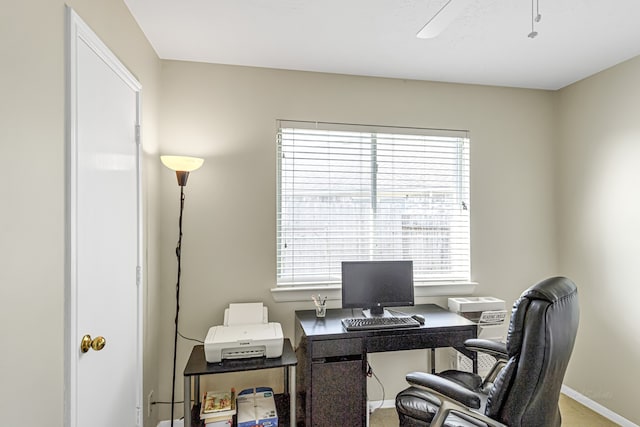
[376, 312]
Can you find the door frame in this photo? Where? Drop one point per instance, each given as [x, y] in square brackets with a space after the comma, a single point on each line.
[77, 31]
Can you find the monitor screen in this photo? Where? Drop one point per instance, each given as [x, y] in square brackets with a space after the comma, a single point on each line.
[377, 284]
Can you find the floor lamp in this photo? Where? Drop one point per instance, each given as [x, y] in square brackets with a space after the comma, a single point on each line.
[182, 166]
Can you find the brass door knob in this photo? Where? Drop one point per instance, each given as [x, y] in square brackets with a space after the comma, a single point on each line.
[97, 343]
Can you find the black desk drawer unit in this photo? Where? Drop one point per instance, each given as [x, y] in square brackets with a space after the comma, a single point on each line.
[336, 399]
[333, 348]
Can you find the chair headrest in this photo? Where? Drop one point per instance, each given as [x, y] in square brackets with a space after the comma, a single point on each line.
[548, 291]
[551, 289]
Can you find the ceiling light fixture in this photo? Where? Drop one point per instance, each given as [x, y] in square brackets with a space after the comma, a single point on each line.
[441, 20]
[535, 17]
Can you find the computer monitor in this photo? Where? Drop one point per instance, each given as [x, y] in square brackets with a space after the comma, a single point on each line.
[374, 285]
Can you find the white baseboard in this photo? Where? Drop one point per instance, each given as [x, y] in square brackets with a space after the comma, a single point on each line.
[378, 404]
[596, 407]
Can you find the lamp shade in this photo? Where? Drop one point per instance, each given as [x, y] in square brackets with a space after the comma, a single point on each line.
[182, 163]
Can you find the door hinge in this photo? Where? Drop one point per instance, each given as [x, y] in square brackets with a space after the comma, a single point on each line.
[139, 416]
[138, 275]
[138, 134]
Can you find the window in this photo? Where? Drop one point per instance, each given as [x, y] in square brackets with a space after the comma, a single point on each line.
[354, 192]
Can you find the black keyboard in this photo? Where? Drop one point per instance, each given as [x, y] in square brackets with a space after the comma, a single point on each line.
[364, 323]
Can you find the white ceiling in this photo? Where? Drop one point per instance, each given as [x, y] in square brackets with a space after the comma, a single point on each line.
[487, 44]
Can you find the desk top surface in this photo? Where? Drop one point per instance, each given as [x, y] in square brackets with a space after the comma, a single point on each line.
[436, 318]
[197, 364]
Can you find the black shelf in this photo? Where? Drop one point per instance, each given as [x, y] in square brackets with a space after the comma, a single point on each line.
[197, 366]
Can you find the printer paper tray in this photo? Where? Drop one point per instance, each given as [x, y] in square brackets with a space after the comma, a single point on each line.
[243, 353]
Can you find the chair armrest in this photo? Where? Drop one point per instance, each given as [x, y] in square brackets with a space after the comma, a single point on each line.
[444, 387]
[496, 349]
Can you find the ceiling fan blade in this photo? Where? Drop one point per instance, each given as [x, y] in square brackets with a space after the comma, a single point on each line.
[441, 20]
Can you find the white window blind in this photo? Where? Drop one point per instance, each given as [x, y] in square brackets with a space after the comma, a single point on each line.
[354, 192]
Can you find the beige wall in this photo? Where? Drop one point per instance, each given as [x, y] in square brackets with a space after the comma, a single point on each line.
[599, 224]
[228, 116]
[552, 176]
[32, 212]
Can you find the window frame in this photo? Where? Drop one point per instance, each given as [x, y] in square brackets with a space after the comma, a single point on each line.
[462, 284]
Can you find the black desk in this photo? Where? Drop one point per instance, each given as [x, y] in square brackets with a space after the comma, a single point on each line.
[197, 365]
[332, 363]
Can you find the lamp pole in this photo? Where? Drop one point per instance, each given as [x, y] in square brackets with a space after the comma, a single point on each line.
[182, 166]
[175, 335]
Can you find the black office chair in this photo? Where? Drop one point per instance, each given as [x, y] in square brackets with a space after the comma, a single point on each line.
[526, 390]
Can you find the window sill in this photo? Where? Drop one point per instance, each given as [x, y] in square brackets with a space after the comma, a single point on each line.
[333, 292]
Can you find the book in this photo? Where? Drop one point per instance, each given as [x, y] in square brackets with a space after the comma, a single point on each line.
[218, 401]
[219, 421]
[218, 405]
[217, 415]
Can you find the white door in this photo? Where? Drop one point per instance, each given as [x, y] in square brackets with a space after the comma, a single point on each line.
[104, 236]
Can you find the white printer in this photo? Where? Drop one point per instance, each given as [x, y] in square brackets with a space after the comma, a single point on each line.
[246, 332]
[489, 314]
